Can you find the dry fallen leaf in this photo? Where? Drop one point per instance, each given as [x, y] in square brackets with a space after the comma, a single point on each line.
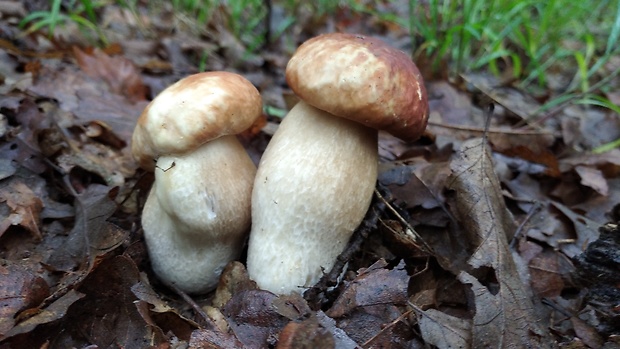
[159, 315]
[444, 331]
[368, 309]
[23, 147]
[504, 313]
[25, 208]
[206, 339]
[586, 231]
[548, 268]
[375, 285]
[119, 72]
[92, 235]
[55, 311]
[306, 334]
[253, 319]
[107, 315]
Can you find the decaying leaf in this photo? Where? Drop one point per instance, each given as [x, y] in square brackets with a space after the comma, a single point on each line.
[159, 314]
[206, 339]
[547, 268]
[23, 147]
[20, 289]
[88, 99]
[367, 310]
[586, 231]
[373, 286]
[504, 313]
[234, 279]
[253, 319]
[56, 310]
[108, 314]
[91, 238]
[444, 331]
[13, 79]
[306, 334]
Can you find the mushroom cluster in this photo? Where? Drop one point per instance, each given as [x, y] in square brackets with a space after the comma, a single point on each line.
[197, 214]
[316, 178]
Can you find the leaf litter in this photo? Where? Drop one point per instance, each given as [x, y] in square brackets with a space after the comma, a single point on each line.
[513, 225]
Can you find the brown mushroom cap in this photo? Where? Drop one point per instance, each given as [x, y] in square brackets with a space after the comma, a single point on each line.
[193, 111]
[362, 79]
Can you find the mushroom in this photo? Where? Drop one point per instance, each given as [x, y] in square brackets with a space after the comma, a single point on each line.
[316, 178]
[197, 214]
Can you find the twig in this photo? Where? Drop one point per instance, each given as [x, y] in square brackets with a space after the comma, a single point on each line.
[193, 304]
[416, 237]
[537, 206]
[391, 324]
[330, 279]
[490, 130]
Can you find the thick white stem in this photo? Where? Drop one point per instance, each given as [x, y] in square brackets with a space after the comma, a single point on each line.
[313, 186]
[197, 214]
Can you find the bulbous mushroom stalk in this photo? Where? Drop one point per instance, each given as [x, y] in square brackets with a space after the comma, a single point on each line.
[315, 180]
[197, 213]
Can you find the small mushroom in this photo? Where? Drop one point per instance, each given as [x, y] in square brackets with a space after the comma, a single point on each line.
[316, 178]
[197, 214]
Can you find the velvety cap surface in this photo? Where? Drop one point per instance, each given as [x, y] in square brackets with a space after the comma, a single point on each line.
[193, 111]
[362, 79]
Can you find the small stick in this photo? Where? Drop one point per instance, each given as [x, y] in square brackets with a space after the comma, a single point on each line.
[193, 304]
[359, 236]
[416, 237]
[384, 328]
[537, 206]
[490, 130]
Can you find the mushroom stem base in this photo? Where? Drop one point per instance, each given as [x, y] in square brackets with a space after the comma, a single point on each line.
[197, 214]
[313, 187]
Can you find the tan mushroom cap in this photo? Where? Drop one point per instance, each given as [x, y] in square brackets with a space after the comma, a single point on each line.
[193, 111]
[362, 79]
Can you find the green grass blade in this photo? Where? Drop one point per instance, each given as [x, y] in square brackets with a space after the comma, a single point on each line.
[606, 147]
[599, 101]
[614, 35]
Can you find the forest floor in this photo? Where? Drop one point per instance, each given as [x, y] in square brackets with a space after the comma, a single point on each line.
[498, 236]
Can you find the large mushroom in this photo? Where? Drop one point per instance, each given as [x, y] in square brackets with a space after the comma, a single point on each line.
[197, 214]
[316, 178]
